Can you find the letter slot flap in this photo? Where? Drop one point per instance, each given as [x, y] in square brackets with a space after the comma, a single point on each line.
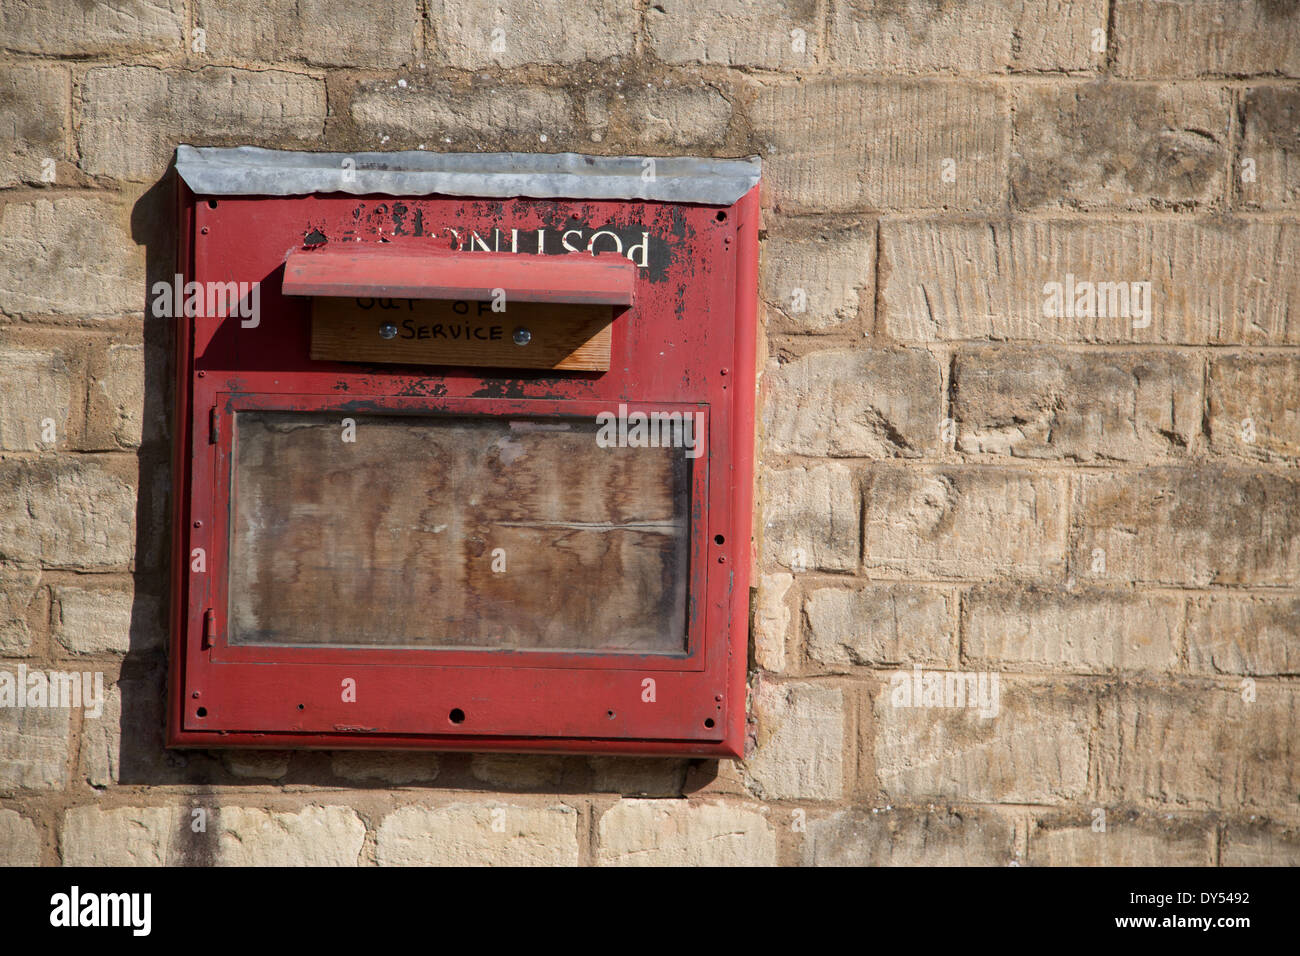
[435, 307]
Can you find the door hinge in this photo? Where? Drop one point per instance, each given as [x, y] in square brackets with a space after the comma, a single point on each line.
[209, 628]
[214, 426]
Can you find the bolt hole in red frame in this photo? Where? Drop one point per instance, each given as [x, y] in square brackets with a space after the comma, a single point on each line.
[641, 287]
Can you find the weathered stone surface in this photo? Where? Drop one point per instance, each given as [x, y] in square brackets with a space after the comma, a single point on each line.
[133, 116]
[105, 620]
[440, 112]
[638, 776]
[773, 34]
[20, 845]
[33, 745]
[712, 778]
[1188, 526]
[922, 36]
[101, 740]
[117, 397]
[258, 764]
[476, 34]
[1200, 37]
[1200, 746]
[678, 115]
[1035, 750]
[231, 836]
[51, 27]
[1254, 634]
[1216, 282]
[846, 144]
[154, 549]
[365, 34]
[65, 513]
[964, 523]
[313, 836]
[877, 403]
[1091, 630]
[1262, 843]
[394, 769]
[881, 624]
[1119, 146]
[23, 611]
[1254, 406]
[125, 746]
[1084, 406]
[33, 120]
[810, 518]
[36, 397]
[682, 833]
[1271, 142]
[479, 835]
[70, 256]
[963, 837]
[125, 836]
[818, 279]
[671, 115]
[772, 621]
[800, 752]
[1130, 839]
[517, 771]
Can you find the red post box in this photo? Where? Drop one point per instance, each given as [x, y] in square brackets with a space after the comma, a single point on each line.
[464, 451]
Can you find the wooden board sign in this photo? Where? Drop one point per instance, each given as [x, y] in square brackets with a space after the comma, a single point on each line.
[455, 332]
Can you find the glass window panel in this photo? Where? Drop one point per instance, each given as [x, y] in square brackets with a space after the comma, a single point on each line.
[467, 532]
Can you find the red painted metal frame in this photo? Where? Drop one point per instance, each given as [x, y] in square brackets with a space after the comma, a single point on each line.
[215, 475]
[689, 340]
[405, 273]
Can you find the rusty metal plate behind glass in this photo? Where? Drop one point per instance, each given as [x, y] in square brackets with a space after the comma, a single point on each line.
[439, 531]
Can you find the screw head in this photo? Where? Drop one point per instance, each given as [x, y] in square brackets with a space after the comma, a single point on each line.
[522, 336]
[387, 331]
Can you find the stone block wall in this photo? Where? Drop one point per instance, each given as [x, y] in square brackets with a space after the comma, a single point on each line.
[1092, 508]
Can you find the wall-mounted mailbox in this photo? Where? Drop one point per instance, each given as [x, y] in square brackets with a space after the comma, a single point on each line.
[464, 454]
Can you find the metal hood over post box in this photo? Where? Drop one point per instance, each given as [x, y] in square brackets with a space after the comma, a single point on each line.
[464, 451]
